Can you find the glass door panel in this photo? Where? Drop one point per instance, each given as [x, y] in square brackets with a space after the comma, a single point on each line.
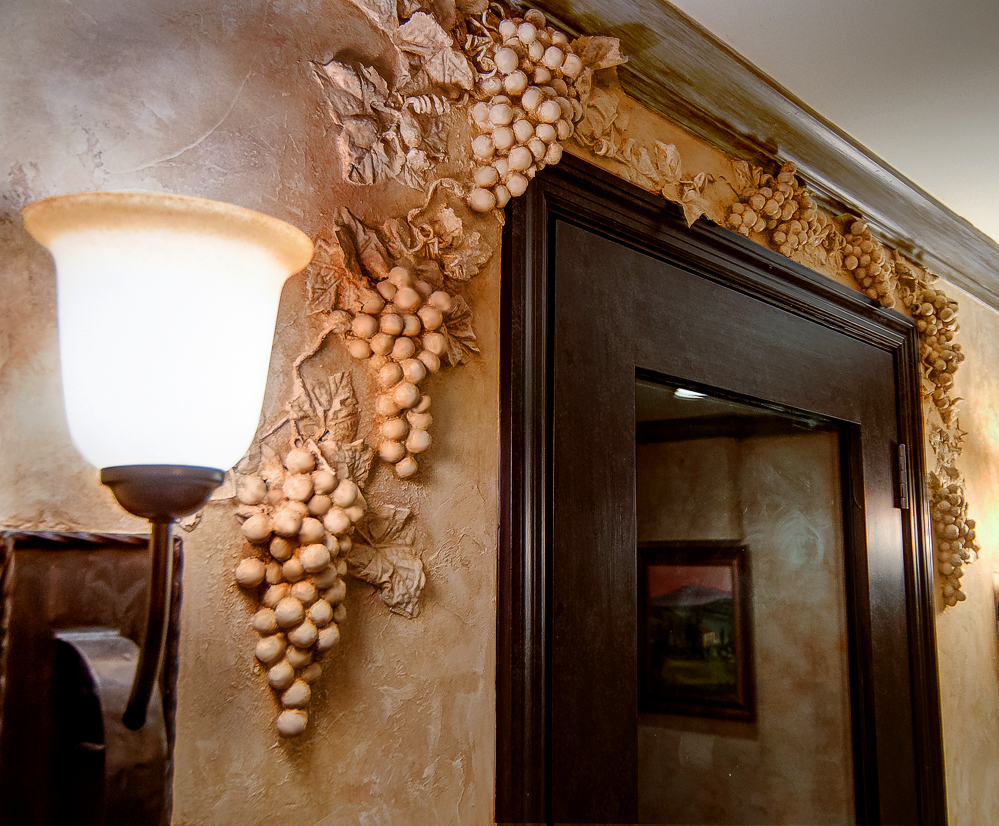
[743, 639]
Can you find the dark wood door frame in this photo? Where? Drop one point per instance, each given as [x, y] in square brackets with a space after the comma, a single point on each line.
[578, 193]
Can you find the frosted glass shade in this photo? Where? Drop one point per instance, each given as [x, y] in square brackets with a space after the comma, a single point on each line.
[166, 308]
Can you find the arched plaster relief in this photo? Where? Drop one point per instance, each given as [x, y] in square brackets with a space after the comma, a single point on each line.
[779, 212]
[391, 290]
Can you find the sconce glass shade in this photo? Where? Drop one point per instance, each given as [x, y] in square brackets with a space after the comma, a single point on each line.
[166, 308]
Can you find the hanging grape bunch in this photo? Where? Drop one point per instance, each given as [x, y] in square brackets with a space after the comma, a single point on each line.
[936, 320]
[299, 524]
[534, 82]
[870, 265]
[781, 206]
[400, 332]
[954, 535]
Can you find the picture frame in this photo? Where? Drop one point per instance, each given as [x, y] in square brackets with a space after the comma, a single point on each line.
[695, 637]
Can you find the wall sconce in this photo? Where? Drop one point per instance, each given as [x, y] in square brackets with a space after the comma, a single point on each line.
[153, 292]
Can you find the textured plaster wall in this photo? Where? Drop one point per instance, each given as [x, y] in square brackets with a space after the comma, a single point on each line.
[780, 497]
[967, 640]
[217, 100]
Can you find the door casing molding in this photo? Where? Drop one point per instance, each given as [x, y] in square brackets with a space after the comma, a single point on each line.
[576, 192]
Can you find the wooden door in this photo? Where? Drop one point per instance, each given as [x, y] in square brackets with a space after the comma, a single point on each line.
[605, 283]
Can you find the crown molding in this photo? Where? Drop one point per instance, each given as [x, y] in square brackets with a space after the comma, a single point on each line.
[683, 72]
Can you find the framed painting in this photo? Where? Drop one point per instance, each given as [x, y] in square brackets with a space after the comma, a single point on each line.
[695, 643]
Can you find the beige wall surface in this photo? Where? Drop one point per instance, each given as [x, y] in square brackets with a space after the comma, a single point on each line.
[218, 100]
[967, 639]
[779, 496]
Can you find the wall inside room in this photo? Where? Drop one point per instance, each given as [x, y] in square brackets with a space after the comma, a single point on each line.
[219, 100]
[967, 638]
[779, 497]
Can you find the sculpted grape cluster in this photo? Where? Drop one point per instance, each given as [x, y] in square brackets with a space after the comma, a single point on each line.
[869, 263]
[954, 535]
[781, 206]
[534, 83]
[398, 331]
[299, 523]
[936, 319]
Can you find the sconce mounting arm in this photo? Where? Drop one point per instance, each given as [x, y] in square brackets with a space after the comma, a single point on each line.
[159, 493]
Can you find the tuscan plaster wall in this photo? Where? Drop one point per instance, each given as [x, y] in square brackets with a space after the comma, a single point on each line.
[967, 639]
[219, 100]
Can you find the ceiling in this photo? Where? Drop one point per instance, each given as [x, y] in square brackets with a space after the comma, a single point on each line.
[914, 81]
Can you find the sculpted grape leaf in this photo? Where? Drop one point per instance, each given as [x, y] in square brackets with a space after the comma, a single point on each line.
[191, 521]
[692, 198]
[351, 92]
[670, 165]
[458, 333]
[395, 237]
[260, 454]
[370, 145]
[599, 52]
[463, 261]
[450, 67]
[443, 65]
[406, 8]
[642, 170]
[395, 570]
[387, 560]
[416, 169]
[430, 271]
[302, 412]
[743, 176]
[370, 250]
[435, 138]
[352, 460]
[694, 206]
[448, 225]
[386, 524]
[340, 405]
[598, 118]
[325, 404]
[409, 129]
[383, 12]
[359, 149]
[447, 12]
[422, 35]
[327, 269]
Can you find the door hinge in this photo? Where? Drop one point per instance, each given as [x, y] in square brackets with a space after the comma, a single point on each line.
[903, 478]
